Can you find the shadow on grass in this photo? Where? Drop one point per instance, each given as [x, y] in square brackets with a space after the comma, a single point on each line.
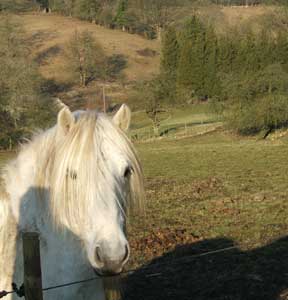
[261, 273]
[167, 131]
[43, 57]
[51, 87]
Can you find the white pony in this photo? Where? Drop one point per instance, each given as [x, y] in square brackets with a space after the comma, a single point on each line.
[72, 184]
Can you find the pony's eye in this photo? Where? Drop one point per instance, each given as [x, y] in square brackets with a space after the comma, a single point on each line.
[72, 174]
[128, 172]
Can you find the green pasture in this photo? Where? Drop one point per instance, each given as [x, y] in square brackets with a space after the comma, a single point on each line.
[217, 185]
[225, 191]
[173, 121]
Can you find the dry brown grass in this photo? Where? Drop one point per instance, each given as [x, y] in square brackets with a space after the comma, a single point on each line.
[224, 18]
[238, 14]
[53, 31]
[50, 32]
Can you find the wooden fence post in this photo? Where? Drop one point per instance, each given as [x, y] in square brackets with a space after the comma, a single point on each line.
[32, 266]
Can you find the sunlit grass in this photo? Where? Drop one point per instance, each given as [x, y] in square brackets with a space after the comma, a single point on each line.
[217, 185]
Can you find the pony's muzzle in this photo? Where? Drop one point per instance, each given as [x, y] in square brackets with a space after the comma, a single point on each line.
[109, 266]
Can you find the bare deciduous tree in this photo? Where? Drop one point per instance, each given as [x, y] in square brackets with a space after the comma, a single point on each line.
[85, 57]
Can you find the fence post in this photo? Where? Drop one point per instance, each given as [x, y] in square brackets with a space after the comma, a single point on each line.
[32, 266]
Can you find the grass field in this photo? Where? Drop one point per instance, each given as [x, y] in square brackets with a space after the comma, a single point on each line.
[198, 182]
[203, 194]
[222, 191]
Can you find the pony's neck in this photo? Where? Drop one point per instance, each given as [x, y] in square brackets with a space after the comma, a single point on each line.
[20, 176]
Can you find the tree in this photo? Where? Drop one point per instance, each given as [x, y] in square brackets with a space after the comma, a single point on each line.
[18, 75]
[265, 114]
[85, 57]
[211, 79]
[250, 60]
[169, 53]
[121, 14]
[57, 5]
[266, 49]
[169, 60]
[43, 3]
[229, 58]
[282, 49]
[87, 9]
[157, 13]
[22, 105]
[152, 95]
[191, 64]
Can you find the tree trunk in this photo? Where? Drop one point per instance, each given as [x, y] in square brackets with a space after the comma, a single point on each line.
[158, 32]
[267, 133]
[156, 125]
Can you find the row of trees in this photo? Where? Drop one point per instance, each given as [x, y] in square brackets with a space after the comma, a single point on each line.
[91, 8]
[247, 3]
[135, 16]
[244, 74]
[144, 17]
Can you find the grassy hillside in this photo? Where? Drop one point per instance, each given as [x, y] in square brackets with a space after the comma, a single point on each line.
[237, 16]
[49, 33]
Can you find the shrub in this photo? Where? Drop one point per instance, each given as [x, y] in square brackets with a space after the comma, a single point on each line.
[267, 113]
[115, 64]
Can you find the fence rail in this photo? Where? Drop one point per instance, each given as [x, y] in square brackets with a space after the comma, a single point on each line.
[175, 131]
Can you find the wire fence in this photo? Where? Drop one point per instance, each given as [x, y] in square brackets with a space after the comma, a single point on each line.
[20, 292]
[174, 131]
[151, 270]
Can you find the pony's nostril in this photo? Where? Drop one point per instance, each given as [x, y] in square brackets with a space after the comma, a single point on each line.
[127, 252]
[98, 255]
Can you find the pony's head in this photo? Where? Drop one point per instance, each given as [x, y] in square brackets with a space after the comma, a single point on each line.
[93, 175]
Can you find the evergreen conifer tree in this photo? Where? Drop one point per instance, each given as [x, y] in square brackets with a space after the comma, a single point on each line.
[211, 82]
[190, 71]
[86, 9]
[121, 16]
[282, 49]
[170, 53]
[169, 61]
[265, 50]
[250, 60]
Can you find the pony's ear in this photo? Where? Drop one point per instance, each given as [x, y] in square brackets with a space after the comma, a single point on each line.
[123, 117]
[59, 103]
[65, 120]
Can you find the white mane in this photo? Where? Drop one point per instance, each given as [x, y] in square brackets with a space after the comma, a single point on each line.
[75, 167]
